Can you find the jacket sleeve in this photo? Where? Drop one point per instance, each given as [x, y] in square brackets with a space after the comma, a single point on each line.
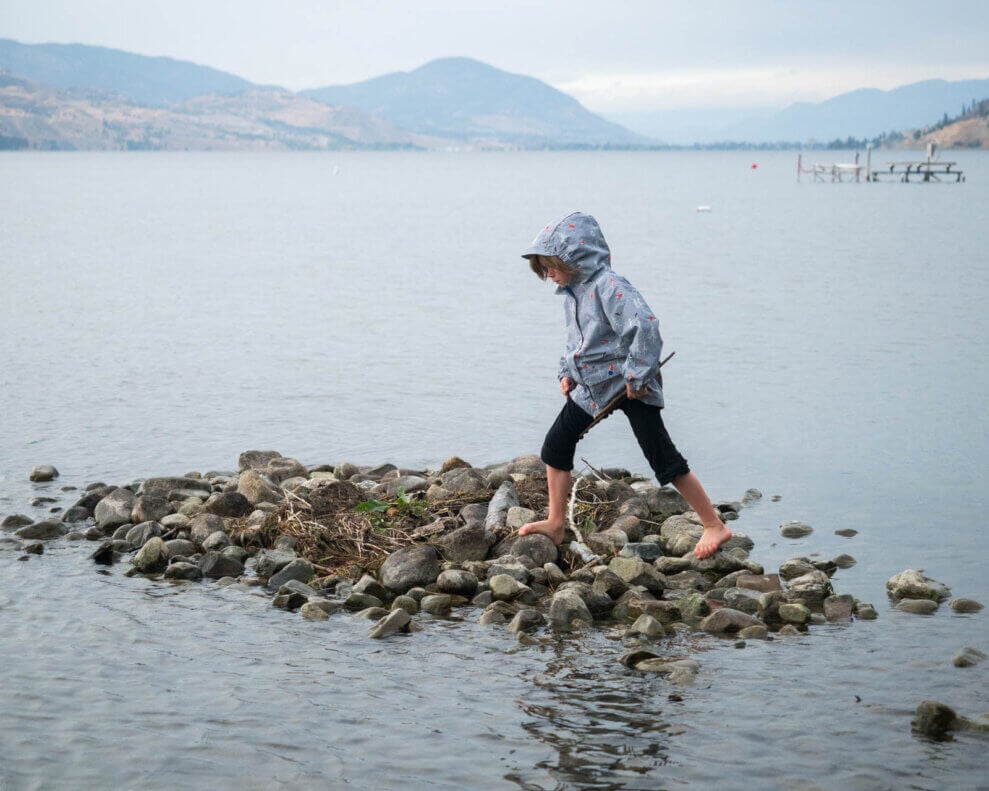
[564, 370]
[637, 327]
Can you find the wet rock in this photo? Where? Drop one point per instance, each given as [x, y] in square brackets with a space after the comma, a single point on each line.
[968, 657]
[669, 566]
[180, 546]
[13, 521]
[760, 582]
[183, 571]
[789, 630]
[728, 620]
[839, 608]
[756, 632]
[918, 606]
[34, 548]
[292, 595]
[810, 589]
[114, 509]
[666, 612]
[361, 601]
[606, 542]
[139, 535]
[527, 620]
[216, 542]
[457, 582]
[598, 604]
[965, 606]
[865, 612]
[299, 569]
[311, 611]
[237, 553]
[74, 514]
[505, 587]
[843, 561]
[634, 571]
[436, 604]
[492, 618]
[43, 472]
[407, 603]
[554, 576]
[214, 565]
[567, 609]
[466, 543]
[794, 613]
[751, 496]
[41, 531]
[229, 504]
[152, 557]
[396, 621]
[934, 719]
[911, 584]
[687, 580]
[742, 599]
[324, 604]
[795, 529]
[410, 567]
[647, 626]
[103, 554]
[795, 567]
[506, 497]
[666, 502]
[846, 532]
[271, 561]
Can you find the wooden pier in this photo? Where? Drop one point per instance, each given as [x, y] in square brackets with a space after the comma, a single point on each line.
[925, 170]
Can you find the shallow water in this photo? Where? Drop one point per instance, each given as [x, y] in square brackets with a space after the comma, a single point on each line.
[161, 313]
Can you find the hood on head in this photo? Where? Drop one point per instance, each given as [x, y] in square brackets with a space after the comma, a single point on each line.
[577, 241]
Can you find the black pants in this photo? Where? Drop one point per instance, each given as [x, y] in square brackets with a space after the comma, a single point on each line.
[647, 425]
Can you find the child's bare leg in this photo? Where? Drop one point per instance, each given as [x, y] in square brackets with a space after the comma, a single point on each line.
[715, 533]
[558, 482]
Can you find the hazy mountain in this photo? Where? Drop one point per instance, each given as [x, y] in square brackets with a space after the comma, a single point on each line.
[145, 80]
[38, 116]
[465, 99]
[864, 113]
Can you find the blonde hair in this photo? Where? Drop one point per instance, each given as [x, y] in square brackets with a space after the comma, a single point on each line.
[541, 264]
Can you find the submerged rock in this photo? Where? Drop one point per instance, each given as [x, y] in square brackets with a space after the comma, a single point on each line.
[965, 606]
[968, 657]
[42, 531]
[152, 557]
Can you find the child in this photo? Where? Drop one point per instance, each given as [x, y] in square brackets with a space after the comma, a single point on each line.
[613, 343]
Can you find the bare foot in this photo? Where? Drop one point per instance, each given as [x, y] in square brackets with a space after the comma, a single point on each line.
[711, 539]
[553, 532]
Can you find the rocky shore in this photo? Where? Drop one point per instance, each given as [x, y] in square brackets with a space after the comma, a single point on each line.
[399, 547]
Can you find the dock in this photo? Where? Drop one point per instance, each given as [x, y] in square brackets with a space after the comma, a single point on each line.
[924, 170]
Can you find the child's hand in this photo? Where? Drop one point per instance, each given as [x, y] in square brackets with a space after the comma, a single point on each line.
[633, 394]
[566, 385]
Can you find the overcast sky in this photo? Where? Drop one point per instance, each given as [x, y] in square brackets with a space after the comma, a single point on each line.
[621, 55]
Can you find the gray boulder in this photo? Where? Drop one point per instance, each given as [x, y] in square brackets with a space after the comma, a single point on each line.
[256, 488]
[538, 547]
[215, 565]
[410, 567]
[152, 557]
[42, 531]
[527, 620]
[139, 535]
[635, 571]
[256, 459]
[229, 504]
[173, 488]
[965, 606]
[918, 606]
[567, 609]
[183, 571]
[42, 473]
[180, 546]
[466, 543]
[436, 604]
[282, 469]
[728, 620]
[911, 584]
[795, 567]
[150, 508]
[300, 570]
[811, 589]
[795, 529]
[271, 561]
[216, 541]
[202, 526]
[396, 621]
[457, 582]
[14, 521]
[114, 509]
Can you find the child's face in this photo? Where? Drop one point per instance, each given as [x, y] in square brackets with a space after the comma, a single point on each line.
[558, 276]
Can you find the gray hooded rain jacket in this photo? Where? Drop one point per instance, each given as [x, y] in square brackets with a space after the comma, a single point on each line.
[612, 335]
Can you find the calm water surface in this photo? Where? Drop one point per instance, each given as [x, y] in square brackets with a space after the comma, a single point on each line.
[161, 313]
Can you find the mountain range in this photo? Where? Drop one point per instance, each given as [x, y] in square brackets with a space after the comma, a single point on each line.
[81, 97]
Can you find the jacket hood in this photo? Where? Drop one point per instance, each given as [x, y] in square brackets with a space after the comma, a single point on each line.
[577, 241]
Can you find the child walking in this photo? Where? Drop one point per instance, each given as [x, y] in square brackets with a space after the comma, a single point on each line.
[613, 344]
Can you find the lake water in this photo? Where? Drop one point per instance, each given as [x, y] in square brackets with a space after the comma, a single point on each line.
[160, 313]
